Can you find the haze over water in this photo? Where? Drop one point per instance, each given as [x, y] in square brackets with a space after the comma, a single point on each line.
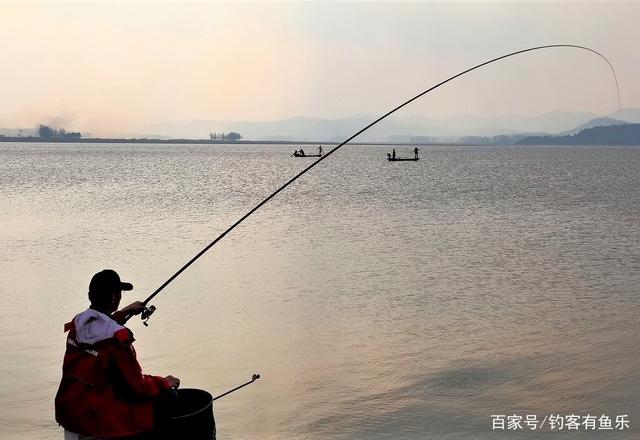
[376, 299]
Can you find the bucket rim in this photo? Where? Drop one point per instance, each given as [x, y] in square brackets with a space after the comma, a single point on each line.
[204, 408]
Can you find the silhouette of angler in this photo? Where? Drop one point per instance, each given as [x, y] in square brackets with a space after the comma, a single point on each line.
[103, 392]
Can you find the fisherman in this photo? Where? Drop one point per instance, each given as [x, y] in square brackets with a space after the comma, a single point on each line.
[320, 152]
[393, 153]
[103, 392]
[415, 152]
[301, 152]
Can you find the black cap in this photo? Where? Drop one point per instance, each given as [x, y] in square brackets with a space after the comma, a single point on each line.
[106, 281]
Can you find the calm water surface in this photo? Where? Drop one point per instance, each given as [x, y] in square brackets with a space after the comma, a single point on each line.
[377, 300]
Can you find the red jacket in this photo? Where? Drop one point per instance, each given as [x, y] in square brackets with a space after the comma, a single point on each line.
[103, 392]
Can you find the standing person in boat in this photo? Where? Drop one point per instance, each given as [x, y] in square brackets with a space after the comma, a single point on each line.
[301, 152]
[320, 152]
[415, 153]
[393, 153]
[103, 392]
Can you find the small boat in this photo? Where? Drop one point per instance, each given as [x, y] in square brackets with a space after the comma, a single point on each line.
[306, 155]
[398, 159]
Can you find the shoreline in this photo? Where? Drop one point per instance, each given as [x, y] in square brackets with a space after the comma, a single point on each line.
[24, 139]
[9, 139]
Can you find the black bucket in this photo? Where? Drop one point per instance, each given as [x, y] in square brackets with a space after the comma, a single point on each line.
[192, 416]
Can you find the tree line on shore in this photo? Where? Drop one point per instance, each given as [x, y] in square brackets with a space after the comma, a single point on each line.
[231, 136]
[47, 132]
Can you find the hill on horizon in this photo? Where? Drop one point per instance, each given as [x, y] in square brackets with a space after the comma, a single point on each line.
[597, 122]
[625, 134]
[396, 129]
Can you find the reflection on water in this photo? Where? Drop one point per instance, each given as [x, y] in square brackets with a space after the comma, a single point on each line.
[376, 299]
[466, 381]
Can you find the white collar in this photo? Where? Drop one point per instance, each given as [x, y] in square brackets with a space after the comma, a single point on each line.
[93, 326]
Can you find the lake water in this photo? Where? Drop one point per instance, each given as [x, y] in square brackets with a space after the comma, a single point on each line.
[407, 300]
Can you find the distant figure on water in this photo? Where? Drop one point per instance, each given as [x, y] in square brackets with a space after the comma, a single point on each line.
[301, 152]
[103, 393]
[320, 152]
[415, 152]
[389, 156]
[393, 153]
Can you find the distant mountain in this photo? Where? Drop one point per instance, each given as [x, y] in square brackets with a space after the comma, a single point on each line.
[597, 122]
[627, 114]
[553, 122]
[395, 129]
[627, 134]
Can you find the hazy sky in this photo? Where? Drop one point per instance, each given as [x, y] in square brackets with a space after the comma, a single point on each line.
[119, 67]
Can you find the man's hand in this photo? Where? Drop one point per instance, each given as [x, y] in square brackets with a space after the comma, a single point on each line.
[134, 308]
[173, 382]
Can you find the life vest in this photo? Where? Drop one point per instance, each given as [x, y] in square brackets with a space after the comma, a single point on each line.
[103, 392]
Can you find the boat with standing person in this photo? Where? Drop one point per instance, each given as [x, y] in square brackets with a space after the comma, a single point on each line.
[391, 157]
[301, 153]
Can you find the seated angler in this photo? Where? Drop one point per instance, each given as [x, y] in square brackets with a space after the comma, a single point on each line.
[103, 392]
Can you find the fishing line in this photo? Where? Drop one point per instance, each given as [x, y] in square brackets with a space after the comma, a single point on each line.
[150, 309]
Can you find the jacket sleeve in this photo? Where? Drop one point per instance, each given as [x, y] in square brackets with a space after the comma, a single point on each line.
[119, 317]
[125, 362]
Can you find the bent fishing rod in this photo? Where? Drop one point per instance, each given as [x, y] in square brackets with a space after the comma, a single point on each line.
[149, 309]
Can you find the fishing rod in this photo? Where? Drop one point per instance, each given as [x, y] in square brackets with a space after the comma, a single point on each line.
[148, 311]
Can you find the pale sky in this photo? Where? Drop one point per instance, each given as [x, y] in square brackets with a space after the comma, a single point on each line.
[119, 67]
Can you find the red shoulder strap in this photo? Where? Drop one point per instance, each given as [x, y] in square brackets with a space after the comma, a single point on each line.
[124, 336]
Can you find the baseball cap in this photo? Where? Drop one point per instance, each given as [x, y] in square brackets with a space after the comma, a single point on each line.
[107, 280]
